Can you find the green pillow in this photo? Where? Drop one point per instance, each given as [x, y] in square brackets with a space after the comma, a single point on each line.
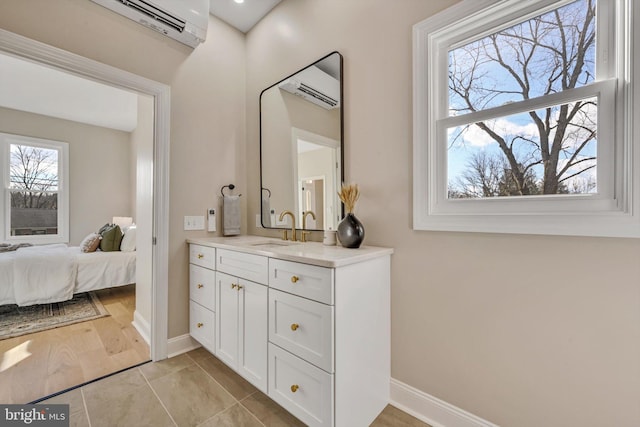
[111, 238]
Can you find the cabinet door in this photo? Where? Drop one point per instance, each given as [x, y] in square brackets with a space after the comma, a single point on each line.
[202, 325]
[227, 319]
[308, 281]
[202, 286]
[253, 334]
[203, 256]
[239, 264]
[303, 327]
[303, 389]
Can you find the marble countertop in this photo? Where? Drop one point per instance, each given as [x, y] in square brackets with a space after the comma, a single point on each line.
[314, 253]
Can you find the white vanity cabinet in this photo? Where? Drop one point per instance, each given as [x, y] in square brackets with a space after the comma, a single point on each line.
[307, 324]
[241, 314]
[202, 301]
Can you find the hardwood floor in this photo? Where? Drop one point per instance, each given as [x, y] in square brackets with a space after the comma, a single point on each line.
[37, 365]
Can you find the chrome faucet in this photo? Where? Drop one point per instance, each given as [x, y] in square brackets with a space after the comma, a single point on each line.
[304, 224]
[293, 225]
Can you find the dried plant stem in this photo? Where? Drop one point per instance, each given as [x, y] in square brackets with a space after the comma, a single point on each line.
[349, 195]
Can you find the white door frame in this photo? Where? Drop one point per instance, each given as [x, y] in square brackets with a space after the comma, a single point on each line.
[23, 47]
[296, 134]
[324, 197]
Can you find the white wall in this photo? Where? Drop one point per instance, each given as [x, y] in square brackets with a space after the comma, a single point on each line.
[100, 175]
[520, 330]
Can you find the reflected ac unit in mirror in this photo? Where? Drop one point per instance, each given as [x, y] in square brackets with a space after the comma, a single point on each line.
[315, 86]
[183, 20]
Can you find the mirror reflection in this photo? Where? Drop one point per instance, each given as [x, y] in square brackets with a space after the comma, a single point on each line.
[301, 147]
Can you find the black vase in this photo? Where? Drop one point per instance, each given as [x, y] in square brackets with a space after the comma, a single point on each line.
[350, 232]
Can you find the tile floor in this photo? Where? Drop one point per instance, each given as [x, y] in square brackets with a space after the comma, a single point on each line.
[193, 389]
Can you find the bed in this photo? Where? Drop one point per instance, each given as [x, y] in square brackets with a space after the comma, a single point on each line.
[53, 273]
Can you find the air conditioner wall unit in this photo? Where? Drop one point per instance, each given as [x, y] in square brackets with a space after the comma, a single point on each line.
[183, 20]
[314, 85]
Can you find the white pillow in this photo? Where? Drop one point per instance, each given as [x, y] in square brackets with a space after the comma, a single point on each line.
[128, 243]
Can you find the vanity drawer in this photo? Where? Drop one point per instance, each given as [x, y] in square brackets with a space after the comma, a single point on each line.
[203, 256]
[246, 266]
[309, 281]
[202, 286]
[202, 325]
[303, 327]
[300, 387]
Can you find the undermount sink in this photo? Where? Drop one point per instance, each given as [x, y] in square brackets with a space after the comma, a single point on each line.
[273, 244]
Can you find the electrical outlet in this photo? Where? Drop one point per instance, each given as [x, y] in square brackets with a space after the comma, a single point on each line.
[194, 222]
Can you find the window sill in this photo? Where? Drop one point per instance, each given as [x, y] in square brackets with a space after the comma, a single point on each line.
[596, 225]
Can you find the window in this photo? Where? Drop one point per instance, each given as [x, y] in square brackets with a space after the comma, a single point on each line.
[522, 119]
[35, 202]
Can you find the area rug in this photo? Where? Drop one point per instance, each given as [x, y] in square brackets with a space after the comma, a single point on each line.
[16, 321]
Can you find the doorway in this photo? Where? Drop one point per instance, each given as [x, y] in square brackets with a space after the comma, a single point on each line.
[154, 323]
[316, 168]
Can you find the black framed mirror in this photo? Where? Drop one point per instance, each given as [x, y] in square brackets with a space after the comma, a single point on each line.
[301, 146]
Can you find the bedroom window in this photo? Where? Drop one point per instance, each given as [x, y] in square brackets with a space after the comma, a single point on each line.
[36, 190]
[522, 119]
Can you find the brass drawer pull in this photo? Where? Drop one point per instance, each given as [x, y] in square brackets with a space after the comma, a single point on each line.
[200, 256]
[294, 388]
[200, 286]
[294, 326]
[200, 325]
[294, 279]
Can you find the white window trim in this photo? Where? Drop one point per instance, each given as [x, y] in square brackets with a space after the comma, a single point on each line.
[63, 189]
[615, 213]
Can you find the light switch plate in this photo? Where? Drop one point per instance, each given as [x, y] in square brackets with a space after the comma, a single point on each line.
[194, 222]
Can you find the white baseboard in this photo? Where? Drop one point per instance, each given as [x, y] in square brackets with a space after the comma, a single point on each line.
[432, 410]
[181, 344]
[142, 326]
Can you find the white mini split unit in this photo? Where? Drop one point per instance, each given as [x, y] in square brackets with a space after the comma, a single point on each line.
[183, 20]
[315, 86]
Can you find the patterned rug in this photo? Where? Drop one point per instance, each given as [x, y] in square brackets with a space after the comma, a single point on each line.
[16, 321]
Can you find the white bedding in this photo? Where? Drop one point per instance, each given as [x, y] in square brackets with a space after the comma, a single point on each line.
[43, 274]
[52, 273]
[100, 270]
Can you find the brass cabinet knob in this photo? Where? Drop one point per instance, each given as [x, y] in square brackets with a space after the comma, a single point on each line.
[200, 325]
[294, 388]
[200, 256]
[294, 279]
[240, 287]
[233, 286]
[200, 286]
[294, 326]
